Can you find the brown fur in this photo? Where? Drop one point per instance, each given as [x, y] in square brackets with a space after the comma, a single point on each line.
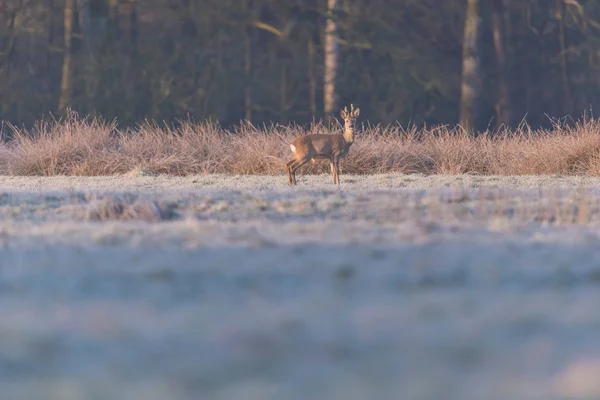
[324, 146]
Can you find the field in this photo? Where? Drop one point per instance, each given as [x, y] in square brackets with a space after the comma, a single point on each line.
[232, 287]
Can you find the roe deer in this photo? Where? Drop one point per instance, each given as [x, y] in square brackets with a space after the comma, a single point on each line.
[324, 146]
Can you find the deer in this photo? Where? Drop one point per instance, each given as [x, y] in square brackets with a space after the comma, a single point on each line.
[324, 146]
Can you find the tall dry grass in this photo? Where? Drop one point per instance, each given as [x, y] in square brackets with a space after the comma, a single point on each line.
[90, 146]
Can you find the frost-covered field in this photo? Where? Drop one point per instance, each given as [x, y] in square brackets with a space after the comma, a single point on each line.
[239, 287]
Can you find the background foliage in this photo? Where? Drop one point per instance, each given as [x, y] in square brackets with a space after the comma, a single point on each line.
[262, 60]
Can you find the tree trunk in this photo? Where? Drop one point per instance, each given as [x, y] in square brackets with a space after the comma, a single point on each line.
[90, 74]
[562, 41]
[66, 81]
[113, 25]
[331, 59]
[11, 35]
[471, 74]
[113, 9]
[502, 105]
[248, 106]
[248, 75]
[8, 50]
[131, 71]
[49, 26]
[283, 103]
[312, 78]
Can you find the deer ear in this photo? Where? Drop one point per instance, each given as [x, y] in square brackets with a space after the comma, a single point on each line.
[344, 113]
[356, 112]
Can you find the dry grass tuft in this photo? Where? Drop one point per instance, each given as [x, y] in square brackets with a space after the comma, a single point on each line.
[116, 208]
[138, 171]
[88, 147]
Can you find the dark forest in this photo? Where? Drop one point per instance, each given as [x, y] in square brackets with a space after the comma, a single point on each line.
[423, 62]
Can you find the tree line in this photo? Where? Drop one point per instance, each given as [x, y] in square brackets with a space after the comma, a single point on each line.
[481, 63]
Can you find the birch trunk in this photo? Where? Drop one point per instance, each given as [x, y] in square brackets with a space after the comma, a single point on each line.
[90, 73]
[564, 72]
[471, 74]
[331, 59]
[66, 80]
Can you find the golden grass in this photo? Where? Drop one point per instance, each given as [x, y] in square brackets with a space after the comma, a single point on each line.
[90, 146]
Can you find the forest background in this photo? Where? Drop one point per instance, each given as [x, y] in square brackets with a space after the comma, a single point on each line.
[423, 62]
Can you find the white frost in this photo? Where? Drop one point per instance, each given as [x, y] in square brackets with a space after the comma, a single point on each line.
[389, 286]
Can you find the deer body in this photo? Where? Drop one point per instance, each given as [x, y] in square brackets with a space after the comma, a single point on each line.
[324, 146]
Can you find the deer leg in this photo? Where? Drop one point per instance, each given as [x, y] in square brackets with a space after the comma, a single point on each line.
[337, 170]
[288, 167]
[332, 170]
[292, 167]
[298, 164]
[293, 171]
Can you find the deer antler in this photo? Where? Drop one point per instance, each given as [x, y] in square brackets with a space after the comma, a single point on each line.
[353, 113]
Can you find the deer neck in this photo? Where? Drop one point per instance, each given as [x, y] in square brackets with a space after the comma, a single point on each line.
[349, 135]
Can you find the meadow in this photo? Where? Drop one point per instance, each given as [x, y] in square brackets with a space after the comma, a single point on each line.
[177, 263]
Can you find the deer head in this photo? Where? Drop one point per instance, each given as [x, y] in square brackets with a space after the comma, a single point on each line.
[350, 121]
